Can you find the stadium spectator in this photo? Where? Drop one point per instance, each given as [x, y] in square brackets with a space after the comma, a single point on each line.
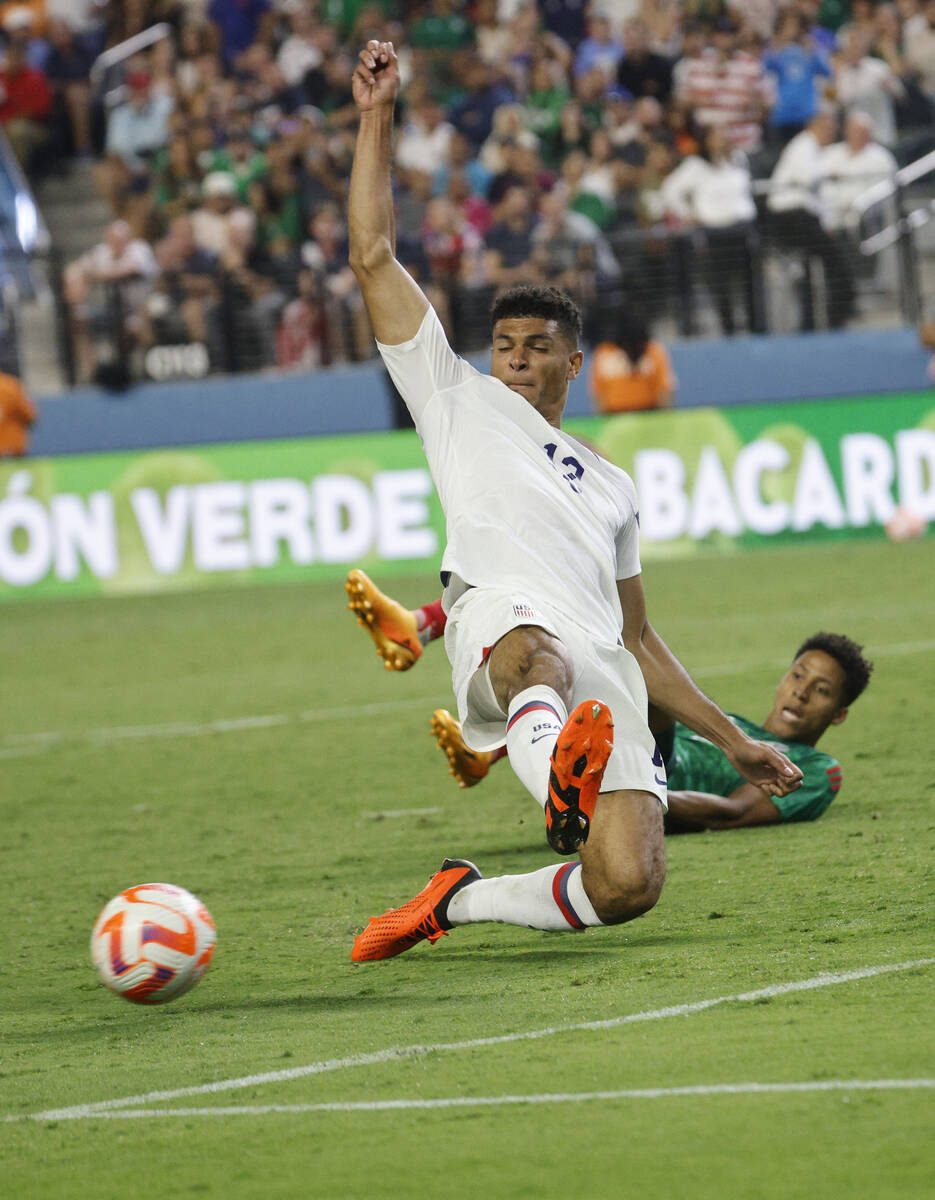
[17, 415]
[240, 25]
[622, 862]
[136, 129]
[641, 71]
[797, 218]
[25, 102]
[182, 305]
[568, 244]
[630, 370]
[601, 48]
[300, 52]
[866, 83]
[852, 166]
[106, 284]
[828, 674]
[462, 159]
[920, 48]
[325, 253]
[798, 68]
[302, 337]
[729, 87]
[712, 191]
[547, 97]
[176, 186]
[218, 210]
[424, 140]
[491, 35]
[509, 243]
[68, 68]
[473, 113]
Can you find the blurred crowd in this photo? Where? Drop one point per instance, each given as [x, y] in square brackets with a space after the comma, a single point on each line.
[564, 141]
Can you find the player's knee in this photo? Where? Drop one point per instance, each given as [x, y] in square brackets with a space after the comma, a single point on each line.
[624, 894]
[528, 656]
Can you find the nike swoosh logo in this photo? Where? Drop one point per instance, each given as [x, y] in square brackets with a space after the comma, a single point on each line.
[661, 782]
[542, 737]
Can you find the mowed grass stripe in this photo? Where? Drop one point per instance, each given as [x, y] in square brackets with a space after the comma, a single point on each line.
[26, 744]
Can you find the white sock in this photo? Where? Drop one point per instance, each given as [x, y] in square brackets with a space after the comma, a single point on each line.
[553, 898]
[534, 721]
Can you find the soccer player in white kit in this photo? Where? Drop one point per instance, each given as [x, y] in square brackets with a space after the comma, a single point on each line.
[550, 648]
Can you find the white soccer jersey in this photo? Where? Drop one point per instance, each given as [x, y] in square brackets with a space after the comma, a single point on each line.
[527, 506]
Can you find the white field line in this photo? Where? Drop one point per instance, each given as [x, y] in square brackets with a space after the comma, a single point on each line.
[25, 744]
[713, 1089]
[20, 745]
[395, 1053]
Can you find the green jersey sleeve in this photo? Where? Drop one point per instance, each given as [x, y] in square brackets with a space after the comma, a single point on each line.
[698, 766]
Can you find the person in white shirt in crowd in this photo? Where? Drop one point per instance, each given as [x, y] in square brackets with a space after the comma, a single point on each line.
[797, 220]
[136, 129]
[108, 278]
[219, 212]
[712, 191]
[866, 84]
[851, 167]
[300, 52]
[426, 136]
[920, 47]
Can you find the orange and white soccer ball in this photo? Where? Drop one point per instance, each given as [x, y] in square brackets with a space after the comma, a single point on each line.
[153, 942]
[904, 526]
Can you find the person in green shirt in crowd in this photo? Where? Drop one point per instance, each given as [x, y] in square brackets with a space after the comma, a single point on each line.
[827, 674]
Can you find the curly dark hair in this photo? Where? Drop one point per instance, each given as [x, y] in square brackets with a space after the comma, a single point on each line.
[849, 657]
[529, 300]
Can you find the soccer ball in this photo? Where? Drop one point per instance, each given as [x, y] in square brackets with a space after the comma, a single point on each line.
[153, 942]
[904, 526]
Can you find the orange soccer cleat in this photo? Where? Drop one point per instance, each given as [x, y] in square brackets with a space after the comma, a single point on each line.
[392, 627]
[578, 761]
[423, 918]
[467, 766]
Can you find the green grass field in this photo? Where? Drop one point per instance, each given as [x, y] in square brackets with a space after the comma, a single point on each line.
[247, 745]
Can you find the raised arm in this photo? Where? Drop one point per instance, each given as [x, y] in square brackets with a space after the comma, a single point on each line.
[672, 689]
[394, 300]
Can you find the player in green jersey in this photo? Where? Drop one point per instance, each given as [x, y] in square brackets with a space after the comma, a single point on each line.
[827, 674]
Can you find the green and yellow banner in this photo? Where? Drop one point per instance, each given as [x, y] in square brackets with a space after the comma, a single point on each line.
[708, 480]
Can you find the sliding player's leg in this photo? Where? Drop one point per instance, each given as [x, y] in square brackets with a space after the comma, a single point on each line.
[398, 633]
[619, 877]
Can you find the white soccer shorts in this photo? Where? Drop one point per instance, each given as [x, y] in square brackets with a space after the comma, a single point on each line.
[477, 621]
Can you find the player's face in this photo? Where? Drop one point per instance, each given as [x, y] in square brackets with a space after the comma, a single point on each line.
[810, 697]
[534, 359]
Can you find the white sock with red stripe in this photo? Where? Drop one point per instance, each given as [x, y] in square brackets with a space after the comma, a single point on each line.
[553, 899]
[533, 723]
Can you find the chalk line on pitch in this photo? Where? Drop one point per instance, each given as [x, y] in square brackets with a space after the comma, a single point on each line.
[394, 1053]
[443, 1102]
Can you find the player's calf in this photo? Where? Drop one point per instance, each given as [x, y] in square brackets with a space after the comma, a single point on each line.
[624, 861]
